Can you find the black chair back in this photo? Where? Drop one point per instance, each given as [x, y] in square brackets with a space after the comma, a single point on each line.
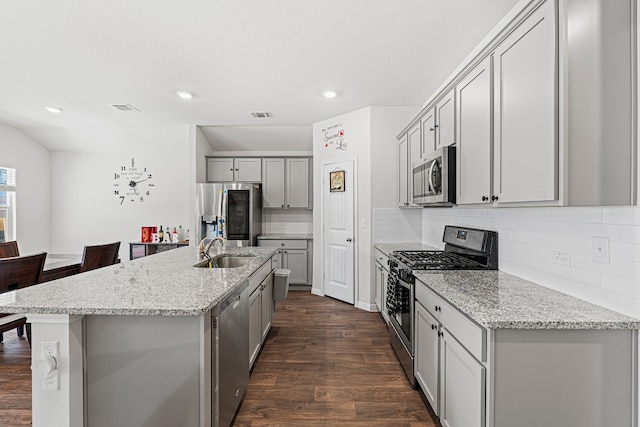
[99, 256]
[20, 272]
[9, 249]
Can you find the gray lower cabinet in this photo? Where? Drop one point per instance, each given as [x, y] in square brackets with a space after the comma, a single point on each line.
[294, 254]
[381, 277]
[261, 308]
[462, 387]
[427, 349]
[477, 377]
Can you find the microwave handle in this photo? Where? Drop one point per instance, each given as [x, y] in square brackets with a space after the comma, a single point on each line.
[430, 177]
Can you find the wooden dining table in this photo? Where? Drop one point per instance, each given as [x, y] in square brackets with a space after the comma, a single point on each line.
[58, 266]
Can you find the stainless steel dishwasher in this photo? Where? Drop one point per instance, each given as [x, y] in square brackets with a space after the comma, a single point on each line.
[230, 327]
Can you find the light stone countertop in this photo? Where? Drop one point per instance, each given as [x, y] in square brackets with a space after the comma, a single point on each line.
[164, 284]
[283, 236]
[498, 300]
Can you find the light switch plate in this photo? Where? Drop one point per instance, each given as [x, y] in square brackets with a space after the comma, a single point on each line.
[601, 250]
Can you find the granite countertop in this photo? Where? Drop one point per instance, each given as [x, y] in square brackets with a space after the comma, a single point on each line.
[498, 300]
[164, 284]
[283, 236]
[387, 248]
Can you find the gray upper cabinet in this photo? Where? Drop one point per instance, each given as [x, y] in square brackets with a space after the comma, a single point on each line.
[525, 112]
[403, 173]
[445, 121]
[428, 124]
[473, 157]
[542, 113]
[273, 183]
[286, 182]
[239, 169]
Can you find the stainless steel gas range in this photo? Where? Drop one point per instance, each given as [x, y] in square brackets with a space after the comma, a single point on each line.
[465, 249]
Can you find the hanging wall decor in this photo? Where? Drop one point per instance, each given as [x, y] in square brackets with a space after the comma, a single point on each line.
[336, 181]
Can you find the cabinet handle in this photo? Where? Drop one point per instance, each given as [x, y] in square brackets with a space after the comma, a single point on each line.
[494, 198]
[440, 334]
[349, 239]
[485, 198]
[288, 206]
[437, 307]
[281, 244]
[283, 206]
[433, 327]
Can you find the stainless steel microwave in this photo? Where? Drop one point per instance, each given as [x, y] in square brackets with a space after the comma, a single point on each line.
[434, 178]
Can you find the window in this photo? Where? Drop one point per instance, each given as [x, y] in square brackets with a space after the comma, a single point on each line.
[7, 204]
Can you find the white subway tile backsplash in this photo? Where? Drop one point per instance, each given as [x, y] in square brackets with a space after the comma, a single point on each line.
[527, 237]
[586, 215]
[622, 216]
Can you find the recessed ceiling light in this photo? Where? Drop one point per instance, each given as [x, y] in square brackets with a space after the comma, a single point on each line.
[184, 95]
[54, 110]
[329, 94]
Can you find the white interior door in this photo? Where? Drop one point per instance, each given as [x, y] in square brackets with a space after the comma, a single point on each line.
[338, 234]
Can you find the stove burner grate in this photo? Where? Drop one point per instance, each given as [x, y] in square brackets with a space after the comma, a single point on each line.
[437, 260]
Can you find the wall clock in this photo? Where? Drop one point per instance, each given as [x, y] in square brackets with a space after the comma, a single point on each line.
[132, 183]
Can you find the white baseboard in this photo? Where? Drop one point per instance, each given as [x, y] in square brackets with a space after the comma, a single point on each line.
[367, 307]
[316, 291]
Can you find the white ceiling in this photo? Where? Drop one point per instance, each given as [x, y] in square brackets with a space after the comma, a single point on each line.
[237, 56]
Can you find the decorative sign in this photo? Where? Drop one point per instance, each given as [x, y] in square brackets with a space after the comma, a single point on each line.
[334, 135]
[336, 181]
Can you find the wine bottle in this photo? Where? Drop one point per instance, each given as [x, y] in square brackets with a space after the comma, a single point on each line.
[161, 235]
[174, 235]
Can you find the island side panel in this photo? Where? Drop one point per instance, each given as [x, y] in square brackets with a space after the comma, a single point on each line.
[58, 400]
[564, 377]
[145, 371]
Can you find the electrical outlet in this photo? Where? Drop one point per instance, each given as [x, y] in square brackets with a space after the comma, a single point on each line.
[49, 349]
[561, 258]
[601, 250]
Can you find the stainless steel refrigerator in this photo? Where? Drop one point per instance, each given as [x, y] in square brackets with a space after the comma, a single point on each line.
[231, 209]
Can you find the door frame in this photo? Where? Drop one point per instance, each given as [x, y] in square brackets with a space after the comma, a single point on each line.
[356, 230]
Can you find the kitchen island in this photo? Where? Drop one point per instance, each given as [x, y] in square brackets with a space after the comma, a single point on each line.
[137, 343]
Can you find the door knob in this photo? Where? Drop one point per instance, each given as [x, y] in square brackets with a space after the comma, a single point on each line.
[349, 239]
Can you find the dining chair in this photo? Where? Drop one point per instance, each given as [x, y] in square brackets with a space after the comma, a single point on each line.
[9, 249]
[17, 273]
[99, 256]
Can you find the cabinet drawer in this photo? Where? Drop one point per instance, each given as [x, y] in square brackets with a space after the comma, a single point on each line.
[382, 258]
[285, 244]
[468, 333]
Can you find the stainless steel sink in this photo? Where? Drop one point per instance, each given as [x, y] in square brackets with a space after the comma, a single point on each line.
[226, 261]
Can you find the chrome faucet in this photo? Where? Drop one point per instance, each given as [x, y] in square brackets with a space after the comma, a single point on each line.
[205, 247]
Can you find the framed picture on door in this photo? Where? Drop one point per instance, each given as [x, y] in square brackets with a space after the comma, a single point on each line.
[336, 181]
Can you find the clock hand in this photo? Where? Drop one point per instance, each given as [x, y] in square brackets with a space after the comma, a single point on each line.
[138, 182]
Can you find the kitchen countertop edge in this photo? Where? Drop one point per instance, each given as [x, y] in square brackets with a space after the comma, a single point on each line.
[163, 284]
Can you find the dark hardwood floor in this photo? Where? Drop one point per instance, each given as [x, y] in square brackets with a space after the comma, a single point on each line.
[324, 363]
[15, 381]
[327, 363]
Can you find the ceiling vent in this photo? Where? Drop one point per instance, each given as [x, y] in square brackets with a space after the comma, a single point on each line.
[124, 107]
[261, 115]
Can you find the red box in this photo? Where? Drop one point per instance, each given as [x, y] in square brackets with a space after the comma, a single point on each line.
[146, 234]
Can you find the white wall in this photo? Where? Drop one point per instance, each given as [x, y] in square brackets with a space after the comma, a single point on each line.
[370, 137]
[84, 209]
[33, 180]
